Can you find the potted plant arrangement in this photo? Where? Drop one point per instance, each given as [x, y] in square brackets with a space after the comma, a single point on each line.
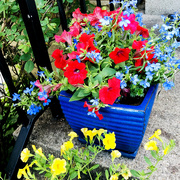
[107, 72]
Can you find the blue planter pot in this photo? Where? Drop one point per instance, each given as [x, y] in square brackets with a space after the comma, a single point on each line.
[128, 122]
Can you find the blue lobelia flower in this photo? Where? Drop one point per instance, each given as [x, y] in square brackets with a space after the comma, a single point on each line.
[134, 79]
[94, 102]
[78, 58]
[43, 94]
[124, 22]
[91, 114]
[33, 84]
[109, 33]
[46, 103]
[145, 83]
[94, 55]
[33, 109]
[139, 18]
[168, 85]
[175, 44]
[106, 20]
[149, 75]
[75, 42]
[119, 75]
[28, 91]
[41, 74]
[123, 84]
[16, 97]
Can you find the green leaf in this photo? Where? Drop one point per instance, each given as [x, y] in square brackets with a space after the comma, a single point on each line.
[154, 154]
[29, 66]
[94, 167]
[107, 174]
[25, 57]
[107, 72]
[148, 161]
[135, 173]
[73, 174]
[75, 96]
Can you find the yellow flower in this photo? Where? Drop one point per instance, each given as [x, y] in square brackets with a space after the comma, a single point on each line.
[21, 172]
[126, 173]
[63, 149]
[68, 145]
[109, 141]
[166, 150]
[84, 131]
[39, 151]
[58, 166]
[151, 145]
[72, 135]
[156, 134]
[79, 175]
[34, 148]
[114, 177]
[25, 154]
[91, 134]
[101, 131]
[115, 154]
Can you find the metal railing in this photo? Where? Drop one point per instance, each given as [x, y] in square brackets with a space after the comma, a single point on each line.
[35, 34]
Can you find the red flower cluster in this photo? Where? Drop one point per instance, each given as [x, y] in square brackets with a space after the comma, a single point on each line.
[109, 94]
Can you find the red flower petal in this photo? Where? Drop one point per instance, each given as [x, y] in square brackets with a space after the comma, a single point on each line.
[75, 72]
[142, 31]
[120, 55]
[108, 95]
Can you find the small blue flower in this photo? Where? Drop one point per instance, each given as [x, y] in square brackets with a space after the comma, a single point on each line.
[41, 74]
[78, 58]
[168, 85]
[33, 109]
[16, 97]
[106, 20]
[109, 33]
[149, 75]
[124, 22]
[93, 55]
[145, 83]
[135, 79]
[94, 102]
[33, 84]
[156, 26]
[123, 84]
[175, 44]
[75, 42]
[46, 103]
[43, 94]
[91, 114]
[95, 42]
[119, 75]
[27, 90]
[139, 18]
[127, 69]
[114, 2]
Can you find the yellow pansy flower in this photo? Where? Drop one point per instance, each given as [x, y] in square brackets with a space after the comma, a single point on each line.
[114, 177]
[25, 154]
[115, 154]
[151, 145]
[72, 135]
[109, 141]
[156, 134]
[58, 166]
[84, 131]
[126, 173]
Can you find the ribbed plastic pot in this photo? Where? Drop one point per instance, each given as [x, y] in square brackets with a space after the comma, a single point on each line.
[128, 122]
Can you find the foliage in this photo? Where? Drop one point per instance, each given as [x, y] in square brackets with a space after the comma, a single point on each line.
[109, 58]
[74, 162]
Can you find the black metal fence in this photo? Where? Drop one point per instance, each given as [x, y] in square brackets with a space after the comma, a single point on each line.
[34, 30]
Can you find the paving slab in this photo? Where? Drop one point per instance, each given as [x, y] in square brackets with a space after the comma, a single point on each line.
[50, 134]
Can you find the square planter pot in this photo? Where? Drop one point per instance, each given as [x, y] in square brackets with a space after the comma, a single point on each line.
[128, 122]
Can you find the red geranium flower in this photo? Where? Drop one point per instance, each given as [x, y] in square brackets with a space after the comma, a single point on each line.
[142, 31]
[95, 109]
[75, 72]
[120, 55]
[109, 94]
[60, 61]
